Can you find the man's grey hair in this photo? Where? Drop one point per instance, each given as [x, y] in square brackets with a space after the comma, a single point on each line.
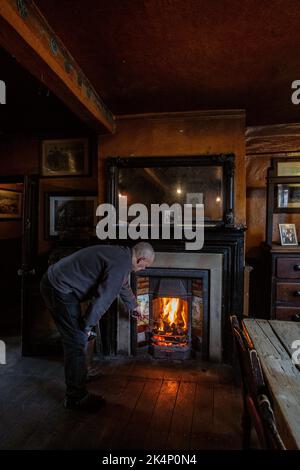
[144, 250]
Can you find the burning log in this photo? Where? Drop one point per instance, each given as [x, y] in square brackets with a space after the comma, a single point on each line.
[171, 339]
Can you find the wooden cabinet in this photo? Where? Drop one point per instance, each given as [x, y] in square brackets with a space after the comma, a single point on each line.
[282, 262]
[288, 267]
[283, 282]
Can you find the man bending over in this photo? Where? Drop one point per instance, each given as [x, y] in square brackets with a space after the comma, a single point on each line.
[99, 273]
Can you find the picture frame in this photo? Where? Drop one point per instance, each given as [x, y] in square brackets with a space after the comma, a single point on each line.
[65, 157]
[10, 204]
[288, 234]
[70, 215]
[289, 167]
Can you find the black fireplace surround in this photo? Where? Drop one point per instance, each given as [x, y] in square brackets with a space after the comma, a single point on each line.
[221, 236]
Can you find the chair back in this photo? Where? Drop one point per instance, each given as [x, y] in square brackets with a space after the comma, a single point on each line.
[251, 374]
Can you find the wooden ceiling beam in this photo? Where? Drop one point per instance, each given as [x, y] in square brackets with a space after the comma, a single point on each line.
[25, 33]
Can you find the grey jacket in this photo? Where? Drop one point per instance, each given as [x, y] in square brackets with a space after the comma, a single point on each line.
[97, 272]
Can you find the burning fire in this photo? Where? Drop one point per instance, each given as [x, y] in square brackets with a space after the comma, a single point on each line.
[173, 314]
[171, 321]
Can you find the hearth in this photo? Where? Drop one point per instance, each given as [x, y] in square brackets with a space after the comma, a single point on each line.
[174, 303]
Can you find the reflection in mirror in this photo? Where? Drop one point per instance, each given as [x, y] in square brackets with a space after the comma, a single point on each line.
[288, 195]
[177, 184]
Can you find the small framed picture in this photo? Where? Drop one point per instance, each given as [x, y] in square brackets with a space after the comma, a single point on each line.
[288, 167]
[288, 234]
[10, 204]
[65, 157]
[70, 215]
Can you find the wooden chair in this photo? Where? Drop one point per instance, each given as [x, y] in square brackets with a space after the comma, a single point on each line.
[257, 409]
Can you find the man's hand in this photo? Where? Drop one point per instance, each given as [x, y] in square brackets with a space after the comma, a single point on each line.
[87, 331]
[90, 334]
[137, 313]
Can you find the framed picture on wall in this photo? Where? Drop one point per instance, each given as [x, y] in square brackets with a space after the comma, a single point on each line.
[288, 234]
[287, 166]
[70, 215]
[65, 157]
[10, 204]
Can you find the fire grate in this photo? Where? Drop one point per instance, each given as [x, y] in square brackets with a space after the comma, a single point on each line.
[174, 303]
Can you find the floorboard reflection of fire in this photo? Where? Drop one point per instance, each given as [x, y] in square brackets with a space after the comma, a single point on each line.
[170, 322]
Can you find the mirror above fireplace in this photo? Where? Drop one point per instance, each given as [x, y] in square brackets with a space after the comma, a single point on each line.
[169, 180]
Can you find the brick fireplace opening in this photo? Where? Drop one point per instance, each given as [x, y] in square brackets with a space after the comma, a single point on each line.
[194, 278]
[175, 305]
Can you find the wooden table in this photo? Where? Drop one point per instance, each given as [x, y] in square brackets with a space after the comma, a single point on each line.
[273, 341]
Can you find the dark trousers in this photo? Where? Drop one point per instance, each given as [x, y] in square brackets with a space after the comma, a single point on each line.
[66, 312]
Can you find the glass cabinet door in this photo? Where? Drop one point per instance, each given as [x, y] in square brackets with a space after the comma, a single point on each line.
[287, 196]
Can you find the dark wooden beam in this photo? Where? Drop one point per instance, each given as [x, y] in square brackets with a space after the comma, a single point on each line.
[25, 33]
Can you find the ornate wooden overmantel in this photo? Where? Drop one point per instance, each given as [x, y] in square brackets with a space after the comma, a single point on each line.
[25, 33]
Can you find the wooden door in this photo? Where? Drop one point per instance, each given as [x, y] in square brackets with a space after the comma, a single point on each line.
[39, 334]
[28, 269]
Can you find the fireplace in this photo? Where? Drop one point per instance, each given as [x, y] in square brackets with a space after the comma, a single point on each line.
[175, 305]
[198, 288]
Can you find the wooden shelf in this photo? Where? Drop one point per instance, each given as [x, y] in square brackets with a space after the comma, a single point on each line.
[277, 248]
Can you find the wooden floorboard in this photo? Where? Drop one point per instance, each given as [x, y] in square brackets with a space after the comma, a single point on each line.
[128, 403]
[102, 423]
[225, 417]
[158, 432]
[203, 409]
[181, 424]
[134, 433]
[149, 405]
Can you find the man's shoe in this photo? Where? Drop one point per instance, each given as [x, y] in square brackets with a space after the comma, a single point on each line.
[90, 402]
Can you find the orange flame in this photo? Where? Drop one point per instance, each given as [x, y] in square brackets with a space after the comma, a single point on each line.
[173, 312]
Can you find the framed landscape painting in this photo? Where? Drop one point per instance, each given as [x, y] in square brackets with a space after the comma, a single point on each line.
[10, 204]
[70, 215]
